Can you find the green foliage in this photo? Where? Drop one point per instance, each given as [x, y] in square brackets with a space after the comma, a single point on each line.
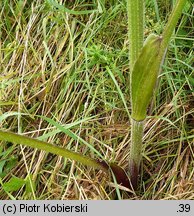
[144, 76]
[61, 8]
[7, 160]
[6, 165]
[13, 184]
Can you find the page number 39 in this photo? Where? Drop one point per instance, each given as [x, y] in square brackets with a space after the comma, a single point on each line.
[184, 208]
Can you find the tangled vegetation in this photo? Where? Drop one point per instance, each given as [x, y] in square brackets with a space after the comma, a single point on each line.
[68, 62]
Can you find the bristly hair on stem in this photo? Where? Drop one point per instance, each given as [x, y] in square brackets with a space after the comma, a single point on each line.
[135, 11]
[145, 64]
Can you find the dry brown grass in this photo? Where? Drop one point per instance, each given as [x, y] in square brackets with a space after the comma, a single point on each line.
[53, 64]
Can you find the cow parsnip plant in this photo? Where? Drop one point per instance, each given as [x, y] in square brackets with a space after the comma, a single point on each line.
[145, 63]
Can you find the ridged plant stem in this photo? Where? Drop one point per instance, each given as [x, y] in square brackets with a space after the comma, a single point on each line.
[135, 150]
[135, 10]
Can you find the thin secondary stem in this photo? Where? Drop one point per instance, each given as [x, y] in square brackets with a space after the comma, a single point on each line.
[171, 24]
[19, 139]
[119, 173]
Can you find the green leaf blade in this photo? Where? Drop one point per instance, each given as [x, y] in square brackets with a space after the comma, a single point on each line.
[144, 77]
[14, 184]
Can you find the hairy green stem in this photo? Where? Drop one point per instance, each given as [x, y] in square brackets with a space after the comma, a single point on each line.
[19, 139]
[135, 28]
[135, 150]
[135, 10]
